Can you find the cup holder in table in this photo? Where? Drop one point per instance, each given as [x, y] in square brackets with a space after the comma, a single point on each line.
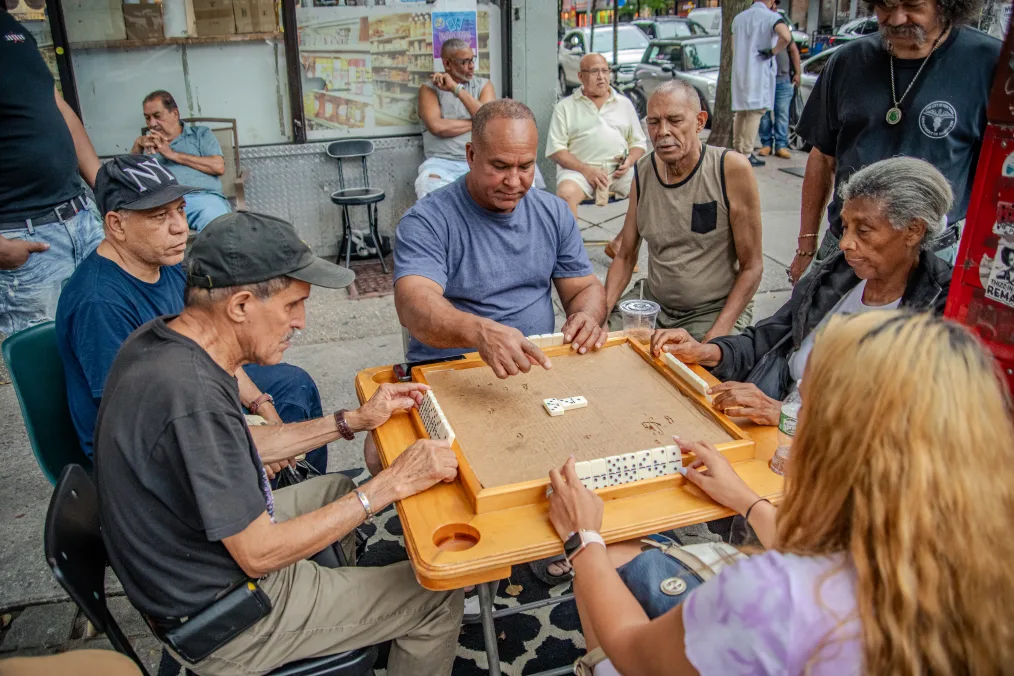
[455, 537]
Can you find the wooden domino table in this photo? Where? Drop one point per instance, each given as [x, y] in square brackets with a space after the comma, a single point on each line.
[495, 514]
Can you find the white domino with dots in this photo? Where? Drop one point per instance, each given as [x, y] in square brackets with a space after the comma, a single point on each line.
[556, 407]
[686, 374]
[626, 468]
[434, 420]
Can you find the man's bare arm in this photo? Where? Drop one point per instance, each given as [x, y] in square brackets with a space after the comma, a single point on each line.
[784, 37]
[429, 113]
[817, 182]
[745, 221]
[213, 165]
[276, 443]
[87, 161]
[582, 294]
[797, 69]
[568, 160]
[622, 267]
[430, 318]
[473, 104]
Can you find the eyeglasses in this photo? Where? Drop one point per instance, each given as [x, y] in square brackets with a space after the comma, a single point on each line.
[598, 71]
[464, 62]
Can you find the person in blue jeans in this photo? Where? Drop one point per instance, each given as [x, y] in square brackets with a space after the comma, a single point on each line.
[136, 275]
[774, 133]
[191, 152]
[47, 224]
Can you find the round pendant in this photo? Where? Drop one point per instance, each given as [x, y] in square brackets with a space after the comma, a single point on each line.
[894, 115]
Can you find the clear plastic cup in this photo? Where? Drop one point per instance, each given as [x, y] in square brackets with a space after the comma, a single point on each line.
[639, 319]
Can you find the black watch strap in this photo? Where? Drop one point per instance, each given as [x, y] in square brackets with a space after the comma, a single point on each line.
[572, 544]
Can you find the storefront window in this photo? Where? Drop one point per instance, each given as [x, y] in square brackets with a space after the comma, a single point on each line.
[362, 66]
[218, 58]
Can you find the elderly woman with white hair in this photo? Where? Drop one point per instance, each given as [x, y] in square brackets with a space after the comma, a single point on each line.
[890, 210]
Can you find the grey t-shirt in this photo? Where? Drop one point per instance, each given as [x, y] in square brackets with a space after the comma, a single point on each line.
[783, 64]
[943, 116]
[451, 108]
[497, 266]
[177, 471]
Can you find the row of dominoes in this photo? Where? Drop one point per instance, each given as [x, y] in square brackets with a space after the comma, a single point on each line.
[629, 467]
[555, 407]
[547, 340]
[686, 374]
[433, 418]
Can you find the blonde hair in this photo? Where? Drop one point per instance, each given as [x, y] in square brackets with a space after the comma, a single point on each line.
[903, 460]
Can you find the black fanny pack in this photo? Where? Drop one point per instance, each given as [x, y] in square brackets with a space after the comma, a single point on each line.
[235, 611]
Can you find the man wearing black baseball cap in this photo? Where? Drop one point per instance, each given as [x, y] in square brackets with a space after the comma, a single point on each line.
[185, 506]
[136, 275]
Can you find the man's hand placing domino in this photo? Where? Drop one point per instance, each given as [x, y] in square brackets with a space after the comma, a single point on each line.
[732, 398]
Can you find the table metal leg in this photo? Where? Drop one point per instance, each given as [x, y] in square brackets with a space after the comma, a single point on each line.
[487, 592]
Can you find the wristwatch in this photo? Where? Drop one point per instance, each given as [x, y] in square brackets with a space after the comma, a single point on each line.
[576, 543]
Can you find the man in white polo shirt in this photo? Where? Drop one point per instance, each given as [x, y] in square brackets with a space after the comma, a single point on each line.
[595, 137]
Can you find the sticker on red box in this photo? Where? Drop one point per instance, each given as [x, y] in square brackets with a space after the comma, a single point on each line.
[1000, 286]
[1004, 225]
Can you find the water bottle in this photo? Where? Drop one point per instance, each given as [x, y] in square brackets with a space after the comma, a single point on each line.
[786, 430]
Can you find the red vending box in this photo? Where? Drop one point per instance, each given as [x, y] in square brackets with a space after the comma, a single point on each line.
[982, 289]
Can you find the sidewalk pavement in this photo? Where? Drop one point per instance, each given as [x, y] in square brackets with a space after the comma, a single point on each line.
[341, 338]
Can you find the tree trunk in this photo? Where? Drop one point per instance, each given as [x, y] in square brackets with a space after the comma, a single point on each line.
[721, 123]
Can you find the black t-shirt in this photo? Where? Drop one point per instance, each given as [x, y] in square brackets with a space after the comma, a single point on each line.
[38, 165]
[943, 116]
[176, 470]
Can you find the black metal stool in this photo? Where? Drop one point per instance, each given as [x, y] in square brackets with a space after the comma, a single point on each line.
[354, 197]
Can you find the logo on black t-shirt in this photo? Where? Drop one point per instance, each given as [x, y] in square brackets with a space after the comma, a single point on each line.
[937, 119]
[15, 37]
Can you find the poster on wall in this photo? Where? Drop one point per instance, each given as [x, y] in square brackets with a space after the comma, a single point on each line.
[362, 66]
[454, 26]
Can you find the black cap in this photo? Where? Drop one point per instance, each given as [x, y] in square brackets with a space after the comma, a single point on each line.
[248, 248]
[136, 182]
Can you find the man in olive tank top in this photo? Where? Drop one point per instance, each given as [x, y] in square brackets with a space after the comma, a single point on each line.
[698, 209]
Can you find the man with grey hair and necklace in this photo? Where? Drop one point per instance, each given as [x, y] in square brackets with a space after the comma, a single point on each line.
[918, 89]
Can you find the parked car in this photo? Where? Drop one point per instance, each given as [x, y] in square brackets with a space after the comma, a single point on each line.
[854, 29]
[631, 43]
[694, 59]
[807, 81]
[711, 19]
[669, 27]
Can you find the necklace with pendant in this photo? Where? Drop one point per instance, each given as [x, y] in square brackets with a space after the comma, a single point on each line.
[894, 113]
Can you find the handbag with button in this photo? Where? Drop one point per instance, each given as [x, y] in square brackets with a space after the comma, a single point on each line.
[662, 575]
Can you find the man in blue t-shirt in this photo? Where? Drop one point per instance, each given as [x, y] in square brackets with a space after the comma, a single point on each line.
[134, 276]
[475, 260]
[190, 152]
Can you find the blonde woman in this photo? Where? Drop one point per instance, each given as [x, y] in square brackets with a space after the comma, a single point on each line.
[891, 552]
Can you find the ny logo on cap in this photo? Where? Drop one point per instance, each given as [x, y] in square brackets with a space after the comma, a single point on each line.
[146, 170]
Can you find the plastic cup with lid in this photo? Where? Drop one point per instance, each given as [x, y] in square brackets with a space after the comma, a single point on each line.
[639, 319]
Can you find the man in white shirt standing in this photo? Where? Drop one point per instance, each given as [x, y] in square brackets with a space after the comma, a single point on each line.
[758, 33]
[595, 137]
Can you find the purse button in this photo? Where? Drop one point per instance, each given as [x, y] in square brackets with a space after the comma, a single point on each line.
[673, 586]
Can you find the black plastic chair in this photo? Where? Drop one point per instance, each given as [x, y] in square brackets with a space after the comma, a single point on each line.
[354, 197]
[77, 556]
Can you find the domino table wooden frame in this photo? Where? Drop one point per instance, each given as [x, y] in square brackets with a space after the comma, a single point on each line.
[458, 534]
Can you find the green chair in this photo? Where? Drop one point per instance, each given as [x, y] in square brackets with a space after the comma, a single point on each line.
[37, 373]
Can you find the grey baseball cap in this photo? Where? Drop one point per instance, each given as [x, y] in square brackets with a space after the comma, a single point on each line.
[247, 248]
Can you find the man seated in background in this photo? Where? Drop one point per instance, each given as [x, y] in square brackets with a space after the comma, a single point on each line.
[595, 137]
[698, 208]
[135, 276]
[447, 104]
[190, 152]
[185, 509]
[475, 265]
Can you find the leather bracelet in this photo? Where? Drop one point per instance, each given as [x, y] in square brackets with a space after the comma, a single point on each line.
[260, 401]
[343, 425]
[800, 252]
[750, 508]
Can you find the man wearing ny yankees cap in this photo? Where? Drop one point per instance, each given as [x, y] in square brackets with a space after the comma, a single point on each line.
[136, 275]
[187, 516]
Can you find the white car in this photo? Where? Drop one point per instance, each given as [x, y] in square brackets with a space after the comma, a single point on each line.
[631, 43]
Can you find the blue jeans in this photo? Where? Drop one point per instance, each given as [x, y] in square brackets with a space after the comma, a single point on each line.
[778, 137]
[296, 399]
[29, 294]
[204, 207]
